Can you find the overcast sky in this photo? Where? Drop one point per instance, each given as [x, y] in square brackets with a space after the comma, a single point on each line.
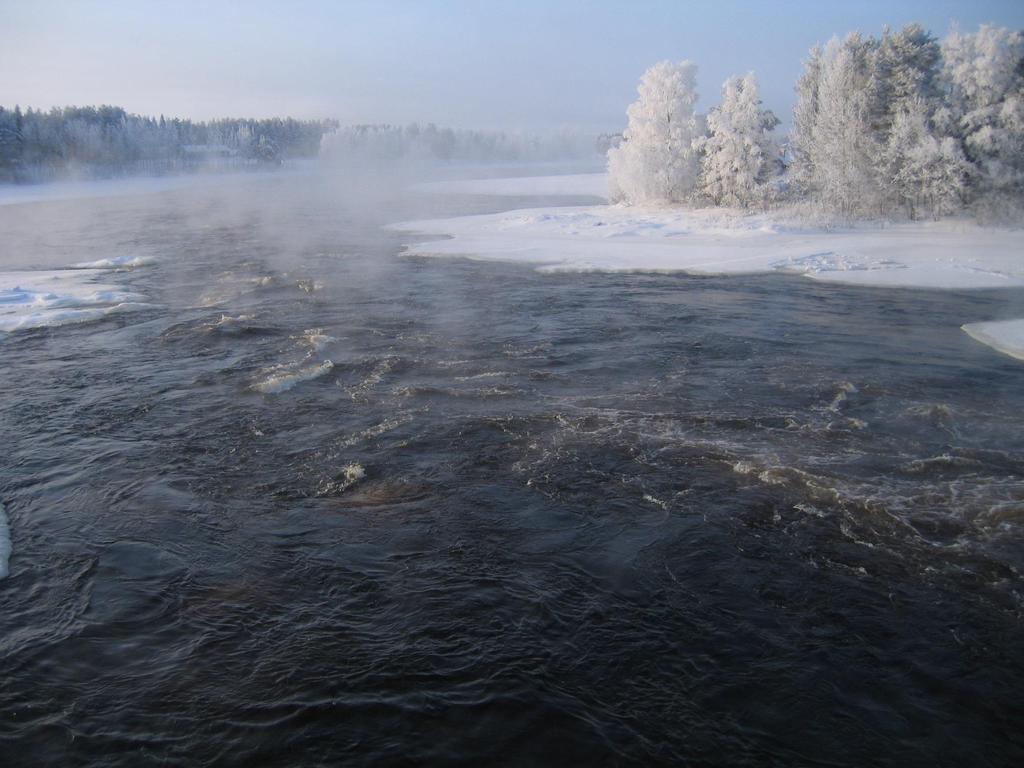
[516, 64]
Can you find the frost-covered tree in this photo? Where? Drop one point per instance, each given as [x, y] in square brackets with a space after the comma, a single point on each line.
[843, 150]
[924, 173]
[983, 74]
[658, 160]
[868, 118]
[805, 116]
[739, 154]
[904, 68]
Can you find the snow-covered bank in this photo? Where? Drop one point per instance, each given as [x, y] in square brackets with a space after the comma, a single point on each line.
[712, 241]
[38, 299]
[1007, 336]
[952, 254]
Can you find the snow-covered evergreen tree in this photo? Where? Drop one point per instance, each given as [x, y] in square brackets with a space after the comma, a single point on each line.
[739, 154]
[657, 160]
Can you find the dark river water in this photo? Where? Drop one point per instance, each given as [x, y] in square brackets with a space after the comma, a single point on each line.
[320, 504]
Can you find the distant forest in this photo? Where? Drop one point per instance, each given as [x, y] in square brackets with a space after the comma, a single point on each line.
[108, 141]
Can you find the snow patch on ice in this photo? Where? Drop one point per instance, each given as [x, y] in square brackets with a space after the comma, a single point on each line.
[1006, 336]
[42, 299]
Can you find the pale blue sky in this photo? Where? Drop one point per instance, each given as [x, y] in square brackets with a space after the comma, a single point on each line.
[525, 64]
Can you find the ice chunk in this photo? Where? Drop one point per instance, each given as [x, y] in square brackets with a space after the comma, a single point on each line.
[1006, 336]
[39, 299]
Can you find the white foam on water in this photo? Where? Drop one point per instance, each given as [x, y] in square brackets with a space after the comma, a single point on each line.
[228, 320]
[845, 390]
[315, 339]
[353, 473]
[43, 299]
[116, 262]
[281, 378]
[349, 476]
[380, 370]
[230, 286]
[485, 375]
[5, 543]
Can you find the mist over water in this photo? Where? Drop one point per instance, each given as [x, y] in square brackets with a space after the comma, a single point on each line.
[316, 498]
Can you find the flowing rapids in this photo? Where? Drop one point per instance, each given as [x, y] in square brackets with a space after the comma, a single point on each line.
[306, 501]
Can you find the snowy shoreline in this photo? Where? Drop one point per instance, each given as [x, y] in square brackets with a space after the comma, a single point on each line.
[950, 254]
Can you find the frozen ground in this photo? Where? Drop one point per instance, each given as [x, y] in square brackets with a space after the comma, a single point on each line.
[938, 255]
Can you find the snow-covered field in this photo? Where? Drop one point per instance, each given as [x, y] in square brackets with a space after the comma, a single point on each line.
[953, 254]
